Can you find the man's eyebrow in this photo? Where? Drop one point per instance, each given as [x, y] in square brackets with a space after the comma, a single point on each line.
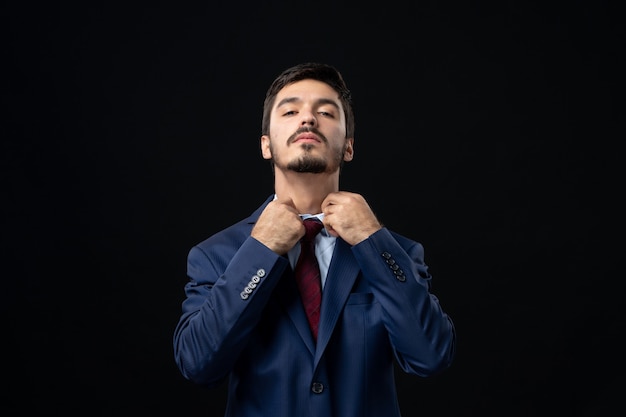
[318, 102]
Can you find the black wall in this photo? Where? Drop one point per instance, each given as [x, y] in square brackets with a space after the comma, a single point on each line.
[486, 130]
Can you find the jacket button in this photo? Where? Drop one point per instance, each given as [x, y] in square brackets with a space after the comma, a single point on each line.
[400, 275]
[317, 387]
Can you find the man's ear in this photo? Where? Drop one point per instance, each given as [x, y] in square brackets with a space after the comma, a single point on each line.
[348, 152]
[265, 147]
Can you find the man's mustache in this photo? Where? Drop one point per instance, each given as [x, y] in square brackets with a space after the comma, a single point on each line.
[307, 130]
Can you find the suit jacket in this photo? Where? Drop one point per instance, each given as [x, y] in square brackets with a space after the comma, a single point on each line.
[242, 319]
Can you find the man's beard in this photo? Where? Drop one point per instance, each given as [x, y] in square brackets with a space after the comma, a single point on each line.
[308, 163]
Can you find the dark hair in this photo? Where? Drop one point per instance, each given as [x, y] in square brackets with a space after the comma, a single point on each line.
[310, 71]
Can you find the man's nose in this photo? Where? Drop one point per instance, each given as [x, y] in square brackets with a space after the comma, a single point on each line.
[308, 118]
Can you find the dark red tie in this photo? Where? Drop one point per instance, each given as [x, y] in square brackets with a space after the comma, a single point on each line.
[308, 275]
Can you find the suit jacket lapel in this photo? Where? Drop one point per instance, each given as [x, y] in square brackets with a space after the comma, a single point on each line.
[290, 299]
[342, 273]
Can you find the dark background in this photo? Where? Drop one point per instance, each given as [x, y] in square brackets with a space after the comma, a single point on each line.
[487, 130]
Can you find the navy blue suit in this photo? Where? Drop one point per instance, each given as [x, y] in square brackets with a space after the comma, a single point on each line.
[242, 319]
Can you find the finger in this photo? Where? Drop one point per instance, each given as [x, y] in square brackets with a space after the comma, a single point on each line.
[288, 204]
[331, 198]
[329, 228]
[286, 201]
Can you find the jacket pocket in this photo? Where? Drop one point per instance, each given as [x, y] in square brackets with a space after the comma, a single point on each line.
[360, 298]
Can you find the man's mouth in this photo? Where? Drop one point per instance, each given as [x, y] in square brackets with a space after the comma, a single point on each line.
[306, 137]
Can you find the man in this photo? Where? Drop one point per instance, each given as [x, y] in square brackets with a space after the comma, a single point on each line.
[243, 317]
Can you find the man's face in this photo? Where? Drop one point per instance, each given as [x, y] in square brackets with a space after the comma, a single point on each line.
[307, 129]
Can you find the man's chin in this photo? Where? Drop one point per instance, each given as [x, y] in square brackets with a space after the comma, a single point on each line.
[308, 169]
[308, 165]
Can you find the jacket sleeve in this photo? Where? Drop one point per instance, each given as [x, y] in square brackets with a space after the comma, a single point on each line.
[421, 333]
[224, 301]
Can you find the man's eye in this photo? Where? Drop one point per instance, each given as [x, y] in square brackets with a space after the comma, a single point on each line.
[325, 113]
[290, 113]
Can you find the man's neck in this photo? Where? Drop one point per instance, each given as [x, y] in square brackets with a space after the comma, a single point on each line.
[307, 191]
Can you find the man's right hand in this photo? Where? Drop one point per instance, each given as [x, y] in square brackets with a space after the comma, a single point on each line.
[279, 226]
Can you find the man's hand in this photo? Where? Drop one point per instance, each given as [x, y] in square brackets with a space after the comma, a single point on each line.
[348, 216]
[279, 226]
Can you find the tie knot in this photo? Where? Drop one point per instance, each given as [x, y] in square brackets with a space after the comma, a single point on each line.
[313, 227]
